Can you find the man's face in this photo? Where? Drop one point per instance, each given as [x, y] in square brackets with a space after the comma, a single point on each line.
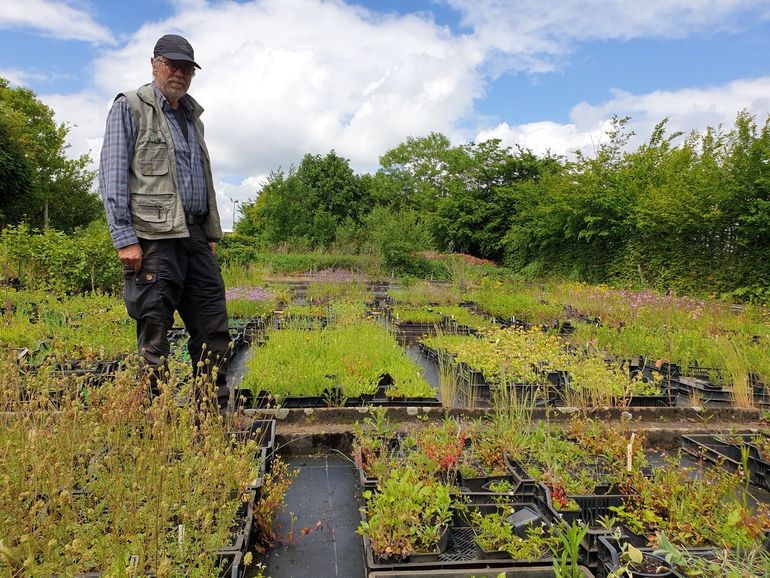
[172, 77]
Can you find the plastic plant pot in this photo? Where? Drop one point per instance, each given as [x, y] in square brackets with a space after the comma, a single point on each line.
[651, 566]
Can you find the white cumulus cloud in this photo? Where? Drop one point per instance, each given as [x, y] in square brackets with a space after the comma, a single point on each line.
[51, 18]
[549, 26]
[296, 76]
[688, 109]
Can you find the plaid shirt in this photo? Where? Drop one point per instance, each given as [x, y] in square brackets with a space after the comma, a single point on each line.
[118, 153]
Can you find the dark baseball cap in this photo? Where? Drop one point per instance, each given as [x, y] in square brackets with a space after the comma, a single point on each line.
[175, 47]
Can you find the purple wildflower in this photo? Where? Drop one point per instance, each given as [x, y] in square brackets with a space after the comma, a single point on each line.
[249, 294]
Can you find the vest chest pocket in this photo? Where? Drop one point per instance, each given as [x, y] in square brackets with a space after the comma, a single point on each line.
[152, 212]
[152, 154]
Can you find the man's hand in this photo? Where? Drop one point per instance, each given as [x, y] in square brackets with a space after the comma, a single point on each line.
[213, 247]
[131, 257]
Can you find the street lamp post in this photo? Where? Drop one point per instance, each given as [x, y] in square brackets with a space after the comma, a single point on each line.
[235, 202]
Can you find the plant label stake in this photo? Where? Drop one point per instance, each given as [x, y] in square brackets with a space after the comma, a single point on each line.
[630, 452]
[133, 563]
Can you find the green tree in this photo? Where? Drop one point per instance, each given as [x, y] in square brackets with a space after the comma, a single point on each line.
[332, 186]
[281, 213]
[476, 214]
[413, 174]
[748, 163]
[15, 176]
[386, 237]
[305, 207]
[60, 191]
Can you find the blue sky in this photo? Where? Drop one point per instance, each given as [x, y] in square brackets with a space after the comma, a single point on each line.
[282, 78]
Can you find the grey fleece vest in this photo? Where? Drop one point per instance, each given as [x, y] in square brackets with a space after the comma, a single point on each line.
[156, 206]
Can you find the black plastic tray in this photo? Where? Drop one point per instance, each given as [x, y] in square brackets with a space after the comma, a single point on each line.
[709, 447]
[609, 554]
[462, 551]
[482, 571]
[709, 394]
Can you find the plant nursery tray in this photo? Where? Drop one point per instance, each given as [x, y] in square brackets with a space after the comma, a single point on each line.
[303, 322]
[406, 402]
[428, 352]
[229, 559]
[176, 335]
[609, 552]
[263, 432]
[527, 485]
[650, 369]
[79, 367]
[416, 327]
[591, 506]
[367, 482]
[262, 400]
[711, 448]
[305, 401]
[244, 398]
[544, 394]
[713, 376]
[521, 514]
[513, 322]
[523, 482]
[453, 327]
[706, 392]
[260, 430]
[232, 564]
[651, 400]
[250, 325]
[240, 538]
[481, 483]
[462, 551]
[481, 571]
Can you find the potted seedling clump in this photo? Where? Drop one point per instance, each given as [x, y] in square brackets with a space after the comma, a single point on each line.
[407, 516]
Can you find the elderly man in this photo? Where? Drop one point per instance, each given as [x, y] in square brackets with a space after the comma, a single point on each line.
[158, 193]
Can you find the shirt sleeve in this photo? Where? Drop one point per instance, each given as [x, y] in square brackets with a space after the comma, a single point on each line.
[114, 166]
